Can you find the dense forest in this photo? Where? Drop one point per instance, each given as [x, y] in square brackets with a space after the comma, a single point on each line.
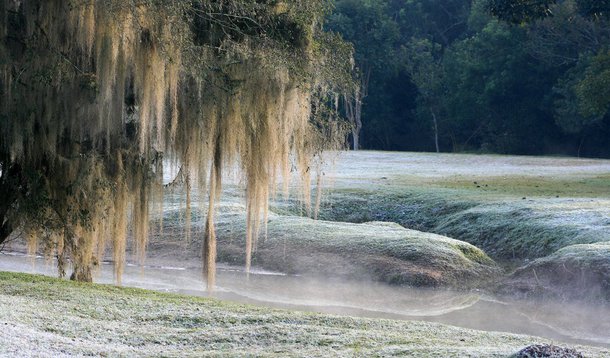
[518, 77]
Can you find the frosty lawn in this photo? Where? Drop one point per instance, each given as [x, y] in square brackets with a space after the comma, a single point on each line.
[48, 317]
[515, 209]
[511, 207]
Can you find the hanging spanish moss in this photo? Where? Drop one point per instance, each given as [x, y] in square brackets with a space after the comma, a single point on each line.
[96, 95]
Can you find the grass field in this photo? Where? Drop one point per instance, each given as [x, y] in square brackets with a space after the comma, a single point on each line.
[548, 218]
[45, 317]
[516, 209]
[521, 211]
[511, 207]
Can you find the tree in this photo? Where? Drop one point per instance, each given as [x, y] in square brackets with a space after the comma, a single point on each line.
[366, 24]
[574, 96]
[96, 95]
[523, 11]
[441, 21]
[566, 39]
[593, 91]
[562, 39]
[519, 11]
[423, 62]
[594, 8]
[391, 119]
[496, 92]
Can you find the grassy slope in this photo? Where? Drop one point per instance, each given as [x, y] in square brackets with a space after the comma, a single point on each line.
[297, 245]
[381, 251]
[506, 228]
[581, 271]
[512, 207]
[42, 316]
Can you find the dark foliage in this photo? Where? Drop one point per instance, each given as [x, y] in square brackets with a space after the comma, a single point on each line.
[504, 76]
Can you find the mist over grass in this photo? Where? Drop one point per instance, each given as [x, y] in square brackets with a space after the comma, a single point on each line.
[51, 317]
[523, 227]
[516, 209]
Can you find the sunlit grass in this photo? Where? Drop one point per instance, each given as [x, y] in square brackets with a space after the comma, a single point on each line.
[529, 186]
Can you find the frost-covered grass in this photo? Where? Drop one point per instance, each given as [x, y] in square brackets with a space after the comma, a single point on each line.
[514, 208]
[511, 207]
[374, 250]
[576, 271]
[378, 251]
[46, 317]
[504, 229]
[530, 229]
[362, 167]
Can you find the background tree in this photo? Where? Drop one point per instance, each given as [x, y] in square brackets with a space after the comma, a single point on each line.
[523, 11]
[565, 40]
[509, 72]
[593, 91]
[366, 24]
[390, 115]
[424, 66]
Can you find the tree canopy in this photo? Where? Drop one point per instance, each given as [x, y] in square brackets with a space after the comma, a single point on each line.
[96, 95]
[502, 76]
[519, 11]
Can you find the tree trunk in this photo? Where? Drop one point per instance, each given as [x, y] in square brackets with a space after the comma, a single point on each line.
[582, 141]
[358, 120]
[353, 112]
[353, 107]
[9, 177]
[435, 130]
[209, 240]
[5, 230]
[82, 274]
[356, 139]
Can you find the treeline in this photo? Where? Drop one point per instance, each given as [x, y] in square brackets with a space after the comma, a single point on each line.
[480, 75]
